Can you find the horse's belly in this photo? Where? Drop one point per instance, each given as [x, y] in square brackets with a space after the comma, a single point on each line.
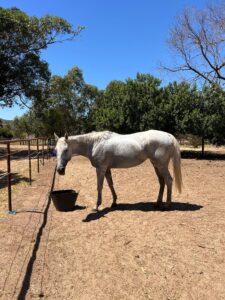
[121, 162]
[124, 154]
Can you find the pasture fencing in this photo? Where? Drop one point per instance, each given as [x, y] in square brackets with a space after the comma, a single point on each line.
[26, 151]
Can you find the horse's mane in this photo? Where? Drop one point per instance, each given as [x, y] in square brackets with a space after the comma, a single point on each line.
[94, 136]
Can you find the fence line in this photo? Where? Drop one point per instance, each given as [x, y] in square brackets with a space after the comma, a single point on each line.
[43, 151]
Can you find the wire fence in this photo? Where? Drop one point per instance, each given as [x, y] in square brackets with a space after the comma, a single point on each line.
[26, 152]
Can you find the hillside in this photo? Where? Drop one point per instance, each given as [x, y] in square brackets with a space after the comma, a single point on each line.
[5, 122]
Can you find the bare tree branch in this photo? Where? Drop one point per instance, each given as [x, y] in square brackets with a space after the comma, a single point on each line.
[198, 38]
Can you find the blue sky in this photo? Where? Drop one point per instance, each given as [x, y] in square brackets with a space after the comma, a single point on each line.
[122, 37]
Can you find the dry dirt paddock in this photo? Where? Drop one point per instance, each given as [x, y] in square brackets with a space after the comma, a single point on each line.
[131, 252]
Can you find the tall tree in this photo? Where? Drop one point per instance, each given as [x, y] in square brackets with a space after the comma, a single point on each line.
[214, 114]
[130, 106]
[67, 105]
[109, 109]
[23, 73]
[143, 103]
[198, 39]
[23, 126]
[181, 108]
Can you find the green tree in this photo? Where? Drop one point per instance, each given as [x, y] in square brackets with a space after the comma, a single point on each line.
[181, 108]
[109, 109]
[130, 106]
[144, 98]
[22, 127]
[23, 74]
[5, 133]
[197, 39]
[67, 105]
[200, 113]
[214, 114]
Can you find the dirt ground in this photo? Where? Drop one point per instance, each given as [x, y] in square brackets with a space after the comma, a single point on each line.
[132, 252]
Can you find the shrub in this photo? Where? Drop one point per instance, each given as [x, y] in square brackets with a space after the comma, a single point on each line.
[5, 133]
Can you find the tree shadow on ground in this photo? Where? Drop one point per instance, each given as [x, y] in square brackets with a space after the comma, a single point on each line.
[15, 179]
[141, 206]
[208, 155]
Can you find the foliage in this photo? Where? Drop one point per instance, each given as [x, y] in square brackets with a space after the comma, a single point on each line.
[66, 106]
[127, 106]
[145, 96]
[22, 127]
[142, 104]
[109, 107]
[23, 73]
[181, 108]
[5, 133]
[214, 114]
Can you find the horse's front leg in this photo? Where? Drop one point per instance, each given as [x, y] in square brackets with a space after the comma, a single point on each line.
[100, 179]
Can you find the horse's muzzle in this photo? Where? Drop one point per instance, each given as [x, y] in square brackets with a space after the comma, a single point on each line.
[61, 171]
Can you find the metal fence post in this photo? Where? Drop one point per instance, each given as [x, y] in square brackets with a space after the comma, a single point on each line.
[38, 165]
[9, 177]
[43, 155]
[48, 148]
[29, 160]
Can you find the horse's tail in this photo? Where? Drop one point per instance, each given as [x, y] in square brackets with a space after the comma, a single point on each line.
[177, 165]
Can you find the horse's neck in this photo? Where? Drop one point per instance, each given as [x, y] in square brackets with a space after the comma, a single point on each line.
[81, 145]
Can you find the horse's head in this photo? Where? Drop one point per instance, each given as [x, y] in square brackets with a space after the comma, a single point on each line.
[63, 152]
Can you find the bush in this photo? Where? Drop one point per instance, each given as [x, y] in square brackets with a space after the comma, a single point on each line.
[5, 133]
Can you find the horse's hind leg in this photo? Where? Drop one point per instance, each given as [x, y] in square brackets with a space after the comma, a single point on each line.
[108, 176]
[168, 181]
[161, 189]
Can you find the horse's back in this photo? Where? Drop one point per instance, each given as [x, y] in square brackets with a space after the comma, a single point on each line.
[120, 151]
[129, 150]
[153, 144]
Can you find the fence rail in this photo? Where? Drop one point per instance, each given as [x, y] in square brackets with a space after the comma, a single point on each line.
[35, 148]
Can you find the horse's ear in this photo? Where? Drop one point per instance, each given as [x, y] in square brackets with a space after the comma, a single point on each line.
[56, 136]
[66, 136]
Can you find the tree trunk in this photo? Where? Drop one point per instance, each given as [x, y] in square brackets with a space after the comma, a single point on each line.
[203, 146]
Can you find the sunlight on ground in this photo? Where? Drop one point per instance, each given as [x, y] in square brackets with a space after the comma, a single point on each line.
[20, 179]
[19, 170]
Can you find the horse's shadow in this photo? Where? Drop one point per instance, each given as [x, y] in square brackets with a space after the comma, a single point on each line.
[141, 206]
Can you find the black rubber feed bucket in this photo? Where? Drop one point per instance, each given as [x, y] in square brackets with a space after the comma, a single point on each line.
[64, 200]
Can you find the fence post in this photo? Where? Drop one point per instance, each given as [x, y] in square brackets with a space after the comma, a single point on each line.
[48, 148]
[38, 165]
[29, 159]
[43, 156]
[9, 177]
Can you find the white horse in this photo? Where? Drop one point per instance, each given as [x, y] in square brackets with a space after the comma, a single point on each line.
[107, 150]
